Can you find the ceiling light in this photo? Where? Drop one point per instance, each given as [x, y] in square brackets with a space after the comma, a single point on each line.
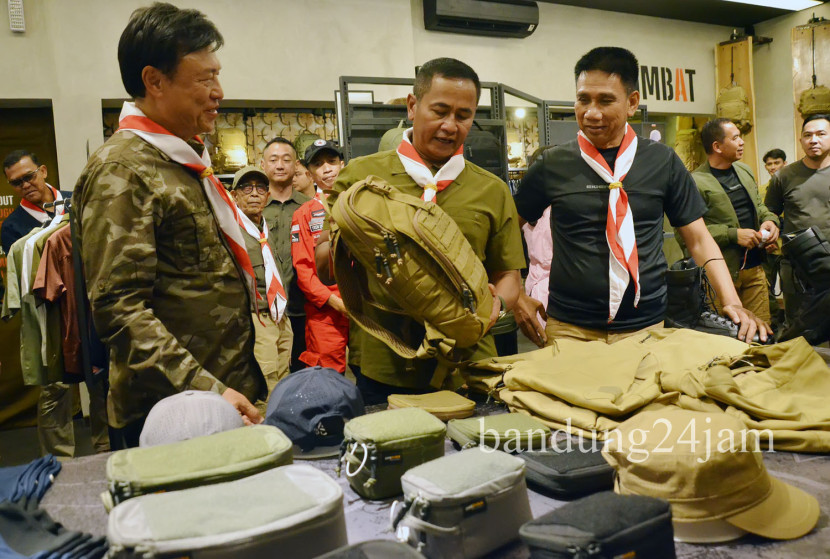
[793, 5]
[520, 113]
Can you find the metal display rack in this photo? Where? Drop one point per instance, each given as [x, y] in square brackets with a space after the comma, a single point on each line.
[361, 125]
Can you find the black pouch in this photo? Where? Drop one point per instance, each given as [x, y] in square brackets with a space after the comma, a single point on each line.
[568, 474]
[603, 526]
[374, 549]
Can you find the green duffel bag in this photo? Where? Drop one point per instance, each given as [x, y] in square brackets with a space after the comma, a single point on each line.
[510, 432]
[379, 447]
[463, 505]
[203, 460]
[293, 511]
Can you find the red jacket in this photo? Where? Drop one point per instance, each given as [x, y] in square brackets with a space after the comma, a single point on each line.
[306, 226]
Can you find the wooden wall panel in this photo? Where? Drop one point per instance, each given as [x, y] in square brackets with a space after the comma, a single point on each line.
[735, 57]
[803, 68]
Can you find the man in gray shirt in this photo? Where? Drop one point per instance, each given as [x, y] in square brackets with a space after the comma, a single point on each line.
[800, 192]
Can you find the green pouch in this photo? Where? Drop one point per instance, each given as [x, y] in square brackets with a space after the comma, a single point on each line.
[378, 448]
[204, 460]
[463, 505]
[292, 511]
[443, 404]
[510, 432]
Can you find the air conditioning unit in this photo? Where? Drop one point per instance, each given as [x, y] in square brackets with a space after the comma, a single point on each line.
[491, 18]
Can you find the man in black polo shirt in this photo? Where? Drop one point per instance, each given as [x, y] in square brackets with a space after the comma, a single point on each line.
[607, 271]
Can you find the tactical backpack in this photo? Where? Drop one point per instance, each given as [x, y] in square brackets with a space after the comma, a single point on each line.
[420, 260]
[813, 101]
[733, 103]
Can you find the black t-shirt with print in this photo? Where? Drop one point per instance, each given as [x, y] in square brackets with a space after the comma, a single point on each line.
[657, 183]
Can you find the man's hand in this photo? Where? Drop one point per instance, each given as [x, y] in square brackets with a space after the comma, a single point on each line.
[250, 415]
[749, 238]
[772, 236]
[526, 310]
[748, 323]
[494, 313]
[336, 303]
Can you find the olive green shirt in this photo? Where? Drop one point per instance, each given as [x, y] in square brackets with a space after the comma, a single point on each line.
[278, 215]
[167, 296]
[481, 205]
[802, 194]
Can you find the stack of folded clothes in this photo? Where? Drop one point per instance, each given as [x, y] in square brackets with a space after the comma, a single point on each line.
[28, 531]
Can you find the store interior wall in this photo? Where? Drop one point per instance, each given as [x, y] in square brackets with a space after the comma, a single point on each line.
[287, 50]
[773, 82]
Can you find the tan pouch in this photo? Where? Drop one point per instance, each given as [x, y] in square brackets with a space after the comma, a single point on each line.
[444, 404]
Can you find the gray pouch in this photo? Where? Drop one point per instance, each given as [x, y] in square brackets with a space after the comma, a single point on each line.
[463, 505]
[293, 511]
[199, 461]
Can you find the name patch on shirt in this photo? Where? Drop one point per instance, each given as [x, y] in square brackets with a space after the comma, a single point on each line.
[315, 224]
[318, 213]
[295, 233]
[596, 187]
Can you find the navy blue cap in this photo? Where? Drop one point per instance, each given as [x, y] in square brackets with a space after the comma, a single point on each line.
[311, 406]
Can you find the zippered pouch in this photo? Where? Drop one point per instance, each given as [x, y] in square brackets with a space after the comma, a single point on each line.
[443, 404]
[379, 447]
[463, 505]
[510, 432]
[292, 511]
[204, 460]
[568, 474]
[603, 526]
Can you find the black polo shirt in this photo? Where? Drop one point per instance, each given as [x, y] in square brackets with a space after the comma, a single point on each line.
[657, 183]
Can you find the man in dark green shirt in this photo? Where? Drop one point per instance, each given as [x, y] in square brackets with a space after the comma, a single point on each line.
[278, 161]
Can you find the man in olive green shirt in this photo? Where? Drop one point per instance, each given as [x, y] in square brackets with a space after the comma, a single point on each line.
[167, 295]
[442, 108]
[272, 346]
[279, 159]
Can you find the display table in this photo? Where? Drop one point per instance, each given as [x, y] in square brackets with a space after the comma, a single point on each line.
[74, 501]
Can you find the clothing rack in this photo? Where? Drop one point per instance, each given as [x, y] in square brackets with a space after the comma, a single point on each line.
[80, 293]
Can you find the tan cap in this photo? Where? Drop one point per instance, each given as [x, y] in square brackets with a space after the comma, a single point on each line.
[709, 467]
[245, 171]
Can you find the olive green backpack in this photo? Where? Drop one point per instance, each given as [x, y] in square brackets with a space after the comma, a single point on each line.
[420, 259]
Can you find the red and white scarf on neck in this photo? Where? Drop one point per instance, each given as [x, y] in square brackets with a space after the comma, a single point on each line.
[224, 208]
[40, 214]
[623, 263]
[420, 173]
[274, 291]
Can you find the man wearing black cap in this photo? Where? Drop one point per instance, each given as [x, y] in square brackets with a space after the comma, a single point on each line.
[324, 161]
[272, 329]
[327, 326]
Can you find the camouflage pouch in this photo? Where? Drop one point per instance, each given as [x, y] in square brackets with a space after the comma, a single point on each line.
[510, 432]
[200, 461]
[379, 447]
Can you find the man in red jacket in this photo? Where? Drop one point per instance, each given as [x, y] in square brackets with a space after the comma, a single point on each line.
[327, 326]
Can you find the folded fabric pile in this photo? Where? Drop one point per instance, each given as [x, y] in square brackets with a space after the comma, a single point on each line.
[589, 388]
[27, 531]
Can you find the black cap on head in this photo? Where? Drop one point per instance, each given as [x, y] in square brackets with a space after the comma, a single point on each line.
[311, 406]
[318, 146]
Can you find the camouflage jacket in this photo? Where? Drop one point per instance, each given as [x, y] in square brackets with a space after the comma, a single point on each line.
[166, 294]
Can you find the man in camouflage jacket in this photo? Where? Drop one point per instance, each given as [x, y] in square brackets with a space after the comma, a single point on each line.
[167, 294]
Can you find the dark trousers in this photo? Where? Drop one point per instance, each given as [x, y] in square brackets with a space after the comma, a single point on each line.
[127, 436]
[375, 392]
[298, 345]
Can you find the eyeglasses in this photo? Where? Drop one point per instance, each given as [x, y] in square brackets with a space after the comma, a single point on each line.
[248, 188]
[28, 177]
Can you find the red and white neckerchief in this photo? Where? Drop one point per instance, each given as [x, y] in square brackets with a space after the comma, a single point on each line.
[274, 291]
[224, 208]
[623, 262]
[38, 213]
[420, 173]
